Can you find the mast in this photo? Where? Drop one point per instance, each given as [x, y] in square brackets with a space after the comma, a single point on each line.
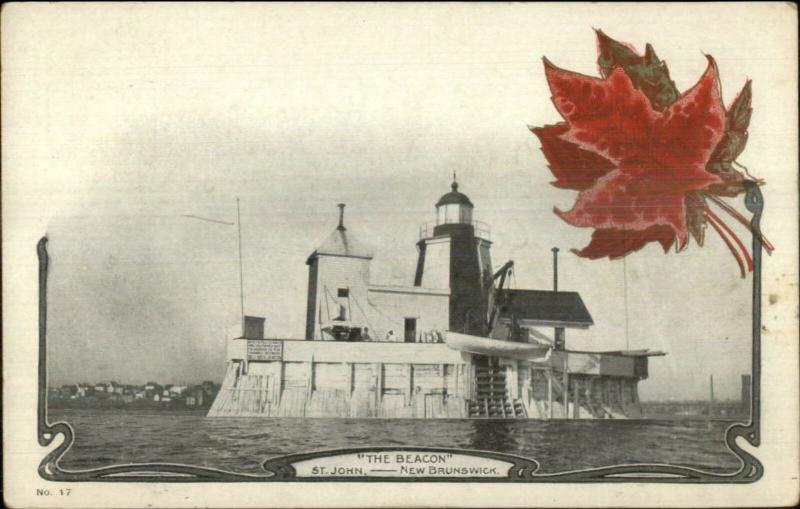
[241, 272]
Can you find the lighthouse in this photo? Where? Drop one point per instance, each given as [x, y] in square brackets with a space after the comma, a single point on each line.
[455, 344]
[455, 253]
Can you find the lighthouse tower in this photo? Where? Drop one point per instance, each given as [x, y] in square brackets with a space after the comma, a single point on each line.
[454, 253]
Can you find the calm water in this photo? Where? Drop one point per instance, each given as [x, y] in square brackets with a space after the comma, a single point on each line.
[108, 437]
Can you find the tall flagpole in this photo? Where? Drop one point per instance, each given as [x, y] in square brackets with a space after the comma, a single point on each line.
[241, 274]
[239, 230]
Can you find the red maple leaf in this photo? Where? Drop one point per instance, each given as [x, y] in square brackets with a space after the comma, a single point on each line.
[642, 172]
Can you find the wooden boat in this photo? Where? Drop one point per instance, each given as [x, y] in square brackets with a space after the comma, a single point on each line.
[495, 347]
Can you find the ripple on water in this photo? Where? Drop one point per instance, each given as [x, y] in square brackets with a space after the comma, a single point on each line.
[104, 438]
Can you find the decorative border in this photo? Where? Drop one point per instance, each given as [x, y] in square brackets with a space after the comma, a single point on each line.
[523, 470]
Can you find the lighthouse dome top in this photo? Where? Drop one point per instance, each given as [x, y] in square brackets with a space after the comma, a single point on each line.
[454, 197]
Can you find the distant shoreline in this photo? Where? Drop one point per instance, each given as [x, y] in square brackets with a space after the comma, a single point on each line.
[99, 404]
[175, 409]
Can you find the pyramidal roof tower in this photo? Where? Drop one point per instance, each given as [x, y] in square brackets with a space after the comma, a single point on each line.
[338, 274]
[342, 243]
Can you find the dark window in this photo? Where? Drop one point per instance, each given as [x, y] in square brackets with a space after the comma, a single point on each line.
[411, 330]
[344, 292]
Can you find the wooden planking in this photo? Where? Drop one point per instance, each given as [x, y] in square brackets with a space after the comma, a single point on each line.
[364, 377]
[295, 375]
[428, 377]
[293, 403]
[222, 403]
[407, 391]
[449, 379]
[395, 376]
[328, 403]
[329, 375]
[244, 395]
[362, 404]
[589, 397]
[394, 406]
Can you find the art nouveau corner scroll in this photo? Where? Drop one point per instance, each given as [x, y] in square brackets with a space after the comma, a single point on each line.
[269, 272]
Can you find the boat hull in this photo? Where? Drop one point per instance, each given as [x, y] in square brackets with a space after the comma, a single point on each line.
[495, 347]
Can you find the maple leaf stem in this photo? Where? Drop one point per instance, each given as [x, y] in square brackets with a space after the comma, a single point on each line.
[713, 218]
[730, 246]
[747, 172]
[736, 215]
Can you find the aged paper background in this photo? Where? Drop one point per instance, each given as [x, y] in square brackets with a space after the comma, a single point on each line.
[68, 72]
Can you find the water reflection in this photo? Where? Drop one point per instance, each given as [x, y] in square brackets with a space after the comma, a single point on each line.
[493, 435]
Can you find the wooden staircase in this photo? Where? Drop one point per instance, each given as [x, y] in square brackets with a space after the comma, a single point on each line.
[491, 396]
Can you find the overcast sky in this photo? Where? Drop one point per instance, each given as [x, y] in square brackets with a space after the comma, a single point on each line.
[137, 117]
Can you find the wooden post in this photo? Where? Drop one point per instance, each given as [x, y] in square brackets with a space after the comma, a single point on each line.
[471, 387]
[274, 389]
[604, 394]
[378, 384]
[456, 389]
[410, 378]
[444, 381]
[550, 391]
[576, 398]
[349, 367]
[310, 378]
[566, 387]
[529, 385]
[281, 376]
[512, 384]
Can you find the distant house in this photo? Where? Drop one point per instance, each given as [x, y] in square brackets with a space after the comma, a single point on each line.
[177, 390]
[209, 391]
[73, 391]
[139, 394]
[152, 388]
[100, 388]
[65, 391]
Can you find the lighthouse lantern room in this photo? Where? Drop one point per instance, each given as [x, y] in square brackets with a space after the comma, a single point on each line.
[454, 207]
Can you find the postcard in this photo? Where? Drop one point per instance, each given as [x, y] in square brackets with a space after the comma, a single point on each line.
[406, 255]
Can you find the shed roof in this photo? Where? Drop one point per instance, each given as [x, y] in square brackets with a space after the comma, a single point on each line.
[545, 307]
